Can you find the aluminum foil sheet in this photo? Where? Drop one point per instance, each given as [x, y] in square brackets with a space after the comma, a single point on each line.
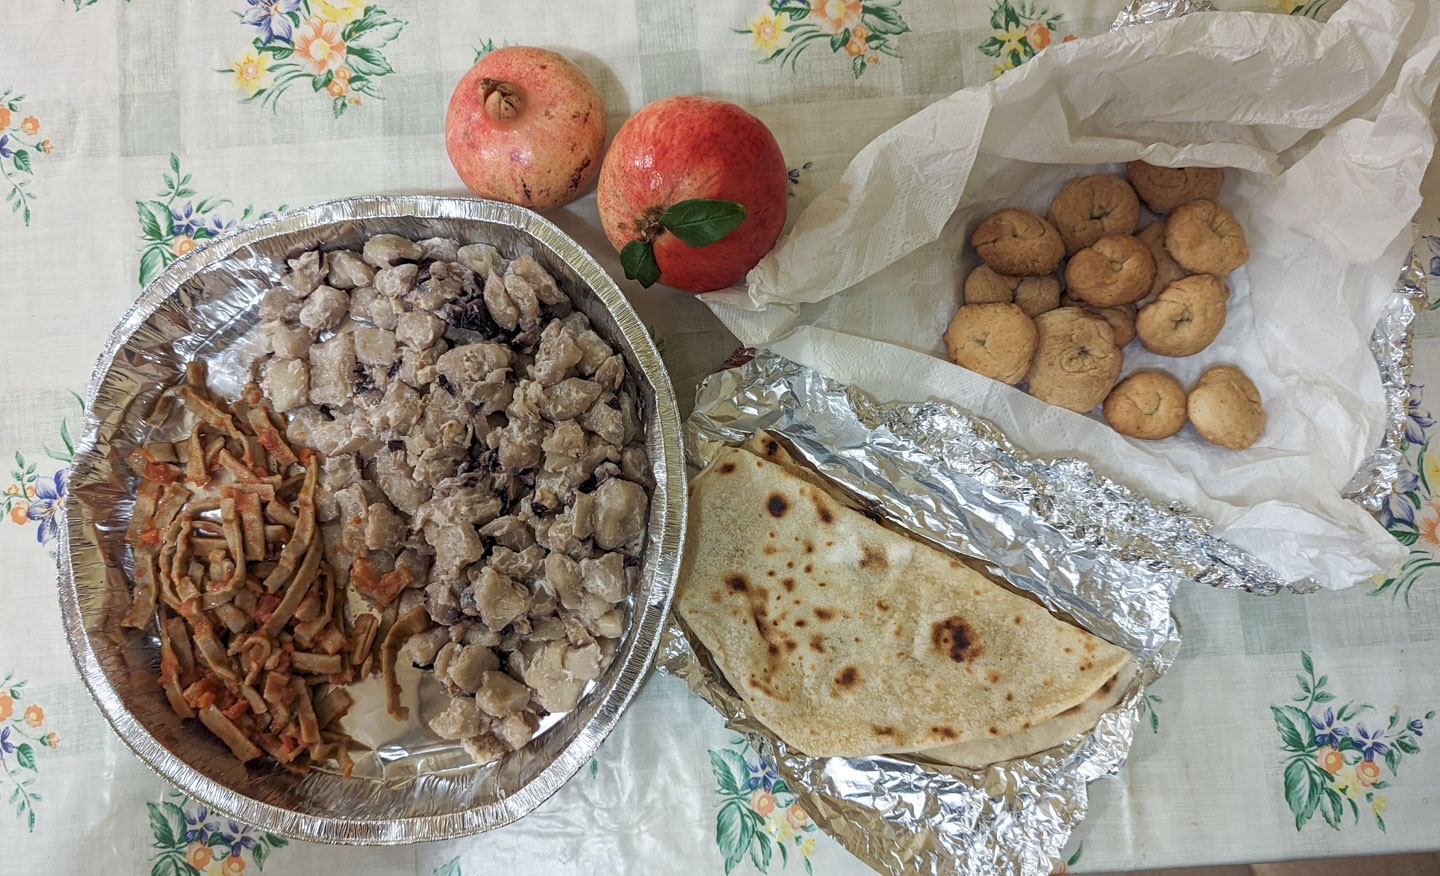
[1086, 547]
[410, 786]
[1143, 11]
[1392, 343]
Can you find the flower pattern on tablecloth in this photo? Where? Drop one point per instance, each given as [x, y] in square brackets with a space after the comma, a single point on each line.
[173, 222]
[35, 498]
[1020, 31]
[1306, 8]
[192, 841]
[792, 175]
[449, 868]
[1333, 756]
[23, 734]
[861, 30]
[1411, 512]
[334, 46]
[21, 145]
[758, 814]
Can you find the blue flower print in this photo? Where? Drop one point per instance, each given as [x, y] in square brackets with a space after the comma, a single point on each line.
[1397, 509]
[45, 509]
[1416, 420]
[185, 220]
[1369, 742]
[6, 746]
[5, 152]
[271, 19]
[1326, 731]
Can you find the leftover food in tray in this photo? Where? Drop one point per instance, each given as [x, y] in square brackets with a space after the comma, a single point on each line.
[442, 461]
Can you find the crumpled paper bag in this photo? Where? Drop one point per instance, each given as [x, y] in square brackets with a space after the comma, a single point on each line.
[1324, 129]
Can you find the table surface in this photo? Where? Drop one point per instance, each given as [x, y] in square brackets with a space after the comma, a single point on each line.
[130, 130]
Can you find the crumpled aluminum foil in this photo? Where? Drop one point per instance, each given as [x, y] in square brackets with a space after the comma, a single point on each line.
[1083, 545]
[1392, 343]
[410, 786]
[1143, 11]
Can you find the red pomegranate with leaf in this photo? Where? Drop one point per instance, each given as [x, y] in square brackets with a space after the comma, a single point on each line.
[526, 126]
[692, 193]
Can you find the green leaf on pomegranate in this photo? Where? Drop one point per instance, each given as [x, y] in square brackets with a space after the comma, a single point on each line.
[702, 221]
[638, 260]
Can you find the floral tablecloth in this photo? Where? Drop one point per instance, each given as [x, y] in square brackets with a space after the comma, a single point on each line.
[130, 132]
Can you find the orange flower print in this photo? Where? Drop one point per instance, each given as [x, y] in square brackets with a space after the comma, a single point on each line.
[860, 32]
[233, 866]
[4, 117]
[53, 741]
[342, 72]
[30, 126]
[1038, 36]
[762, 802]
[1367, 772]
[1068, 38]
[18, 512]
[833, 16]
[855, 47]
[7, 706]
[197, 855]
[338, 87]
[34, 716]
[319, 48]
[796, 817]
[46, 146]
[30, 491]
[1330, 760]
[183, 244]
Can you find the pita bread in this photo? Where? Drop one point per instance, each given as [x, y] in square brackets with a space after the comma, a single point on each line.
[846, 638]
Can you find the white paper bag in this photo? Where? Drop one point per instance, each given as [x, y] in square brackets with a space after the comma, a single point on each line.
[1325, 131]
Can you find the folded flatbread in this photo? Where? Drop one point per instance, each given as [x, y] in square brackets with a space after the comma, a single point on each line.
[847, 638]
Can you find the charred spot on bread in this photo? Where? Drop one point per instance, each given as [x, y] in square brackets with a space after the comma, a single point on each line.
[847, 678]
[957, 639]
[737, 583]
[726, 468]
[871, 558]
[777, 505]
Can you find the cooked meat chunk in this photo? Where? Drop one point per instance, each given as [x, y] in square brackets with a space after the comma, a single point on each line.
[397, 479]
[509, 531]
[384, 250]
[484, 749]
[569, 398]
[558, 355]
[435, 292]
[375, 346]
[501, 600]
[478, 373]
[384, 530]
[305, 273]
[441, 249]
[605, 419]
[478, 257]
[524, 296]
[519, 443]
[419, 329]
[289, 342]
[515, 729]
[442, 602]
[332, 371]
[500, 695]
[522, 566]
[611, 373]
[557, 685]
[635, 466]
[369, 305]
[564, 446]
[468, 667]
[324, 309]
[421, 648]
[619, 513]
[608, 625]
[460, 720]
[417, 367]
[593, 349]
[497, 301]
[279, 305]
[442, 459]
[348, 270]
[286, 382]
[605, 576]
[395, 283]
[526, 268]
[563, 578]
[398, 410]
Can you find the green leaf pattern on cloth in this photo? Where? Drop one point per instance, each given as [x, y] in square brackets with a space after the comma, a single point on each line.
[334, 46]
[21, 145]
[862, 32]
[758, 816]
[191, 840]
[1333, 755]
[24, 732]
[176, 220]
[1020, 31]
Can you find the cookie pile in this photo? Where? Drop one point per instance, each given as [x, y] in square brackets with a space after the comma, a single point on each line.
[1163, 284]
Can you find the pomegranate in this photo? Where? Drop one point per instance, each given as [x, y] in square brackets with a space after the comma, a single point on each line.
[526, 126]
[692, 193]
